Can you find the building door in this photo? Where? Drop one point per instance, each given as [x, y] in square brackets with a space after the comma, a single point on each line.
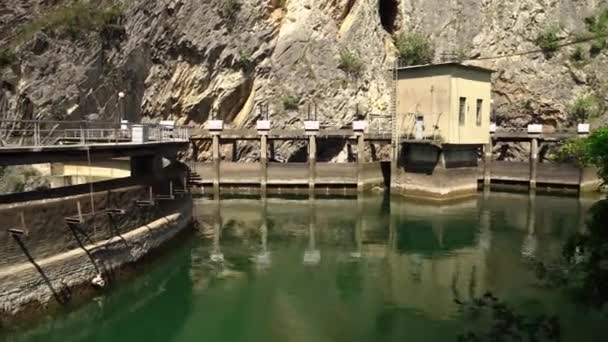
[419, 127]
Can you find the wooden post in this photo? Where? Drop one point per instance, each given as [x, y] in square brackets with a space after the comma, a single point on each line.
[263, 162]
[312, 161]
[533, 163]
[360, 161]
[216, 163]
[487, 165]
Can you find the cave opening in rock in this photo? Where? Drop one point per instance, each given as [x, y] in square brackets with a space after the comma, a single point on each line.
[388, 10]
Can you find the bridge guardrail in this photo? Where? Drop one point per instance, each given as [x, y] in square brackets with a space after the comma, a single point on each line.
[24, 133]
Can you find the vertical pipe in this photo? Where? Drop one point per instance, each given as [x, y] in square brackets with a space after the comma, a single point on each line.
[312, 161]
[216, 163]
[360, 162]
[263, 163]
[533, 163]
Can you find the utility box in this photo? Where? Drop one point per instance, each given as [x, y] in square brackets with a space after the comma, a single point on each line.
[263, 126]
[535, 129]
[311, 127]
[139, 134]
[215, 125]
[360, 126]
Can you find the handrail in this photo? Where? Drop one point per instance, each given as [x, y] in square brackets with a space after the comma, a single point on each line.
[46, 133]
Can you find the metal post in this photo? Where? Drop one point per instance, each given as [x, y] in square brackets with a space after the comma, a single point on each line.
[533, 163]
[312, 161]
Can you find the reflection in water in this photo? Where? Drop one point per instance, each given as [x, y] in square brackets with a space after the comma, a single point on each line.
[371, 269]
[262, 259]
[312, 256]
[216, 253]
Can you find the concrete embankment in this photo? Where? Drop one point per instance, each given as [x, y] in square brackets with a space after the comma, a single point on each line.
[56, 261]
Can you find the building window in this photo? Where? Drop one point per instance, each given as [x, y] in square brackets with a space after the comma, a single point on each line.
[462, 111]
[478, 113]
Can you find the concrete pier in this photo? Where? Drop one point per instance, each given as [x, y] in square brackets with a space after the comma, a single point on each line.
[216, 162]
[360, 161]
[487, 165]
[439, 172]
[312, 161]
[533, 163]
[263, 162]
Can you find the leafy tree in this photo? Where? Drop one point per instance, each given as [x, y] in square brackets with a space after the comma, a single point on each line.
[598, 26]
[229, 9]
[350, 63]
[584, 107]
[548, 40]
[7, 57]
[414, 49]
[291, 102]
[246, 61]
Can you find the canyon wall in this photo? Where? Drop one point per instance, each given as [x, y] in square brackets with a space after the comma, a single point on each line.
[191, 60]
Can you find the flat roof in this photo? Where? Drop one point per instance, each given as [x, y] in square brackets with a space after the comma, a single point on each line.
[452, 64]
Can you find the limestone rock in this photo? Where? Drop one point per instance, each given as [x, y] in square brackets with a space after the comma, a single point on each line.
[185, 59]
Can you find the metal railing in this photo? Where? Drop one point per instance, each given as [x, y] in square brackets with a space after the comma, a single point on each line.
[24, 133]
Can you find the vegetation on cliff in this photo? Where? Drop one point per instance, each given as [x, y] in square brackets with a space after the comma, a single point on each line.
[7, 57]
[414, 49]
[584, 107]
[74, 19]
[350, 63]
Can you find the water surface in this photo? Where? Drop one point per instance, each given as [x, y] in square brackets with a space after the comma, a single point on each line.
[368, 269]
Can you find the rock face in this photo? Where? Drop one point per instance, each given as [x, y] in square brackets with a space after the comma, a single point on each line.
[192, 59]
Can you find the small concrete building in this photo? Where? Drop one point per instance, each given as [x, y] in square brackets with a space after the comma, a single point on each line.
[442, 121]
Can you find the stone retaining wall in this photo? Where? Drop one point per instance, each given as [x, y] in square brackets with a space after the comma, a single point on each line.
[54, 279]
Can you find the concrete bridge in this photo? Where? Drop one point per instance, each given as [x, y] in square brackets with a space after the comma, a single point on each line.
[36, 142]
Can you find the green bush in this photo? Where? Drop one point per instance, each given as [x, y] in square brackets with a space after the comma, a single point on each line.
[578, 55]
[414, 49]
[584, 107]
[291, 102]
[597, 26]
[548, 40]
[20, 178]
[246, 62]
[350, 63]
[75, 19]
[7, 57]
[228, 9]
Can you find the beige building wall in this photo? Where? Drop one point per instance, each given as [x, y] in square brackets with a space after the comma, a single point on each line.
[435, 93]
[425, 92]
[472, 85]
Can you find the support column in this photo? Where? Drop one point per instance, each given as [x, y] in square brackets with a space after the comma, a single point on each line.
[533, 163]
[359, 127]
[215, 128]
[216, 163]
[312, 161]
[360, 161]
[263, 127]
[263, 162]
[487, 165]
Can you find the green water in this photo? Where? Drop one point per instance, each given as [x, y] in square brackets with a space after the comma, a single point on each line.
[337, 270]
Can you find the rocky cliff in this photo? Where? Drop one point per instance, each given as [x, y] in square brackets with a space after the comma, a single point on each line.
[195, 59]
